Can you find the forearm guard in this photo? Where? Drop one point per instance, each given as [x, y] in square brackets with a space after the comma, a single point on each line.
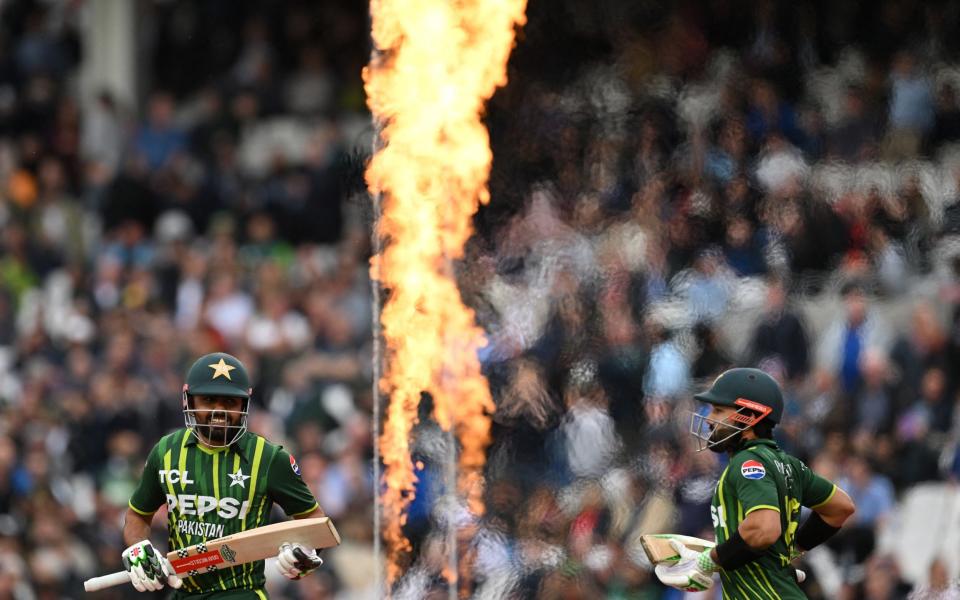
[735, 552]
[814, 532]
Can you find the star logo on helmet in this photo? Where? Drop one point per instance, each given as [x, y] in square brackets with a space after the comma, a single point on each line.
[221, 369]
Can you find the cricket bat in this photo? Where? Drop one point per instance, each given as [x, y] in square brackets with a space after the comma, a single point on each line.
[658, 549]
[237, 549]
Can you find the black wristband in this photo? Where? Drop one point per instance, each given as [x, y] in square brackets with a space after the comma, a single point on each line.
[735, 552]
[814, 532]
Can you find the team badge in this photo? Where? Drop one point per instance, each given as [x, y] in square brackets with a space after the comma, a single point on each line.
[752, 469]
[294, 465]
[238, 478]
[221, 369]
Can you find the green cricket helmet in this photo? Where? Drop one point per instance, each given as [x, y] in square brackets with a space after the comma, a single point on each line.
[755, 394]
[217, 374]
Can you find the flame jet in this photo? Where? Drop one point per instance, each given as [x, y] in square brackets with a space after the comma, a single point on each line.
[435, 64]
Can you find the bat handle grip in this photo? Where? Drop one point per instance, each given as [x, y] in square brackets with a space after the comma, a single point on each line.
[105, 581]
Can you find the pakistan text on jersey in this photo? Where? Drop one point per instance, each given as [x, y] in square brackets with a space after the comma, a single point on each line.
[192, 504]
[204, 530]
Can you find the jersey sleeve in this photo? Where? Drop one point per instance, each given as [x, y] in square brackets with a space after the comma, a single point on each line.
[753, 482]
[287, 488]
[148, 496]
[816, 490]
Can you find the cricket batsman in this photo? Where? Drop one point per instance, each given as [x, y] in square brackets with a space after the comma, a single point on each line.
[216, 479]
[756, 504]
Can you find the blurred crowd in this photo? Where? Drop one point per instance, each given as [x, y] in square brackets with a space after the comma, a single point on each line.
[683, 187]
[677, 188]
[216, 215]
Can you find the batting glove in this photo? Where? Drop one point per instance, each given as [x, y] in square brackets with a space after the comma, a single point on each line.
[296, 560]
[148, 568]
[692, 573]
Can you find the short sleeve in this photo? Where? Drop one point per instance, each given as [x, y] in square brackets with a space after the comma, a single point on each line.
[816, 490]
[148, 496]
[753, 482]
[287, 488]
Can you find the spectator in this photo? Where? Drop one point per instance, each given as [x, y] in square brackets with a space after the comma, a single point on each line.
[310, 89]
[667, 374]
[743, 247]
[874, 498]
[946, 123]
[855, 136]
[588, 430]
[102, 133]
[781, 334]
[768, 114]
[159, 139]
[708, 286]
[846, 339]
[911, 108]
[711, 358]
[728, 155]
[873, 403]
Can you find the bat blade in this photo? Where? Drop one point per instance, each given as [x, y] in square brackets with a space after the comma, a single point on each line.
[256, 544]
[237, 549]
[658, 549]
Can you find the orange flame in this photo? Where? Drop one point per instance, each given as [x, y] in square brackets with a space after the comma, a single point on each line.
[436, 63]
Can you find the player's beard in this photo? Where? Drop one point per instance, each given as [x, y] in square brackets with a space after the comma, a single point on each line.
[216, 435]
[724, 438]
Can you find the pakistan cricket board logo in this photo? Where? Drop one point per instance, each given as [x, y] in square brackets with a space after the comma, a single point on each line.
[227, 553]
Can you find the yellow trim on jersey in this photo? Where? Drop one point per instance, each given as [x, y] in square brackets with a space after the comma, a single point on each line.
[263, 503]
[213, 451]
[257, 455]
[216, 494]
[759, 506]
[315, 506]
[223, 586]
[749, 568]
[216, 477]
[747, 584]
[183, 459]
[172, 520]
[736, 583]
[260, 594]
[723, 505]
[182, 463]
[140, 512]
[763, 574]
[829, 498]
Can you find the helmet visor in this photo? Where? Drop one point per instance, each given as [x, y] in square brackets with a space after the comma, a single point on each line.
[216, 428]
[710, 432]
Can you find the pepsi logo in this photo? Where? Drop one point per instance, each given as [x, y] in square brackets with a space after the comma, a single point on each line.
[296, 467]
[752, 469]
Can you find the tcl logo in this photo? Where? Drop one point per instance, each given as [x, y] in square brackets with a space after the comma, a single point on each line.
[174, 476]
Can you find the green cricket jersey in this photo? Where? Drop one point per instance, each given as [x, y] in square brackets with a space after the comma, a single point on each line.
[760, 475]
[211, 493]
